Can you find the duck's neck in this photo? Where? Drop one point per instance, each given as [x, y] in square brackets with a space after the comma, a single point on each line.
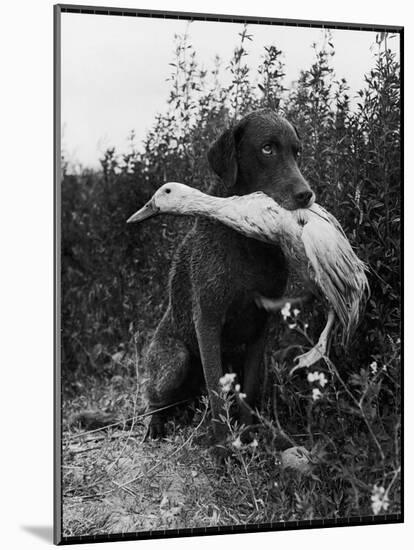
[200, 204]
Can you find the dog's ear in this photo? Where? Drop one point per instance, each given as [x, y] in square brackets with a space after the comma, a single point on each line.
[222, 157]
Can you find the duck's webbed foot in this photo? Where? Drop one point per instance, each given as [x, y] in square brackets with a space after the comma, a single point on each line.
[311, 357]
[319, 351]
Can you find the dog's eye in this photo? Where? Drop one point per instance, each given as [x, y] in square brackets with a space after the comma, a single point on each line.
[267, 149]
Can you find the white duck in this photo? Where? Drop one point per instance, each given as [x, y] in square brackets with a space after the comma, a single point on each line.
[312, 240]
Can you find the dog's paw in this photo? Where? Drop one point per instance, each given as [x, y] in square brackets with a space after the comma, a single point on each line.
[156, 427]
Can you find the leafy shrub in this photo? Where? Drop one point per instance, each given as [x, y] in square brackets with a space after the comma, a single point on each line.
[114, 276]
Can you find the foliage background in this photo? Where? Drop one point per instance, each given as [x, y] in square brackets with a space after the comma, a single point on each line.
[114, 276]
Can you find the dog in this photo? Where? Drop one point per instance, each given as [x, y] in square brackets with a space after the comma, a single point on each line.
[212, 323]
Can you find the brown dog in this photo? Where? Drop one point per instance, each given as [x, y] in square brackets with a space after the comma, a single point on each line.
[212, 323]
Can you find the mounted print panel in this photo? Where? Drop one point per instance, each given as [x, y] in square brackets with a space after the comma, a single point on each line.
[228, 213]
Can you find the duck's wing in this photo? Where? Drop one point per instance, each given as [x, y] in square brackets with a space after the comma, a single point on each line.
[339, 272]
[320, 211]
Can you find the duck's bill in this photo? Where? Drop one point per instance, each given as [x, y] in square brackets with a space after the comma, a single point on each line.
[147, 211]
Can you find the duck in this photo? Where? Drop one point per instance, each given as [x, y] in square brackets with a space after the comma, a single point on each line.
[312, 240]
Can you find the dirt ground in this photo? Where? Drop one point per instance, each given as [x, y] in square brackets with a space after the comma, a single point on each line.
[117, 483]
[113, 481]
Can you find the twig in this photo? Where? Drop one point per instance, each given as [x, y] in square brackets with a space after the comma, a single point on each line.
[275, 414]
[188, 440]
[141, 415]
[126, 489]
[358, 405]
[116, 435]
[394, 478]
[140, 476]
[241, 457]
[85, 450]
[239, 452]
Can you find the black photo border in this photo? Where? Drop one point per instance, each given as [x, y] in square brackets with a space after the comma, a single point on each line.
[58, 538]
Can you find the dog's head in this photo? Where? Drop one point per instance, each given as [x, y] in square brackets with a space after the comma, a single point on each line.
[260, 154]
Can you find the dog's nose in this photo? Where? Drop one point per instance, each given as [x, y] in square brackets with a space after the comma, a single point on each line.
[303, 198]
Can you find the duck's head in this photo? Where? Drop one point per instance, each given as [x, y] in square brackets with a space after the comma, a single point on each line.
[170, 198]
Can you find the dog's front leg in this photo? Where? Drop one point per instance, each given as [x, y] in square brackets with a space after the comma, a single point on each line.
[208, 329]
[253, 377]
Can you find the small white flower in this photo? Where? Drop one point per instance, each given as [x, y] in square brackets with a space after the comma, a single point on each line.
[374, 367]
[384, 368]
[306, 325]
[254, 443]
[285, 311]
[237, 443]
[227, 381]
[379, 500]
[292, 325]
[317, 377]
[322, 380]
[316, 394]
[296, 312]
[237, 389]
